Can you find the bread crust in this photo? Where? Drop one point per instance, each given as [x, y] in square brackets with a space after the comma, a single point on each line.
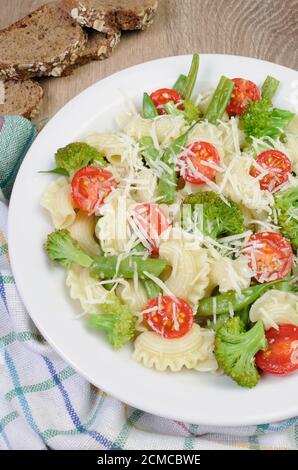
[22, 98]
[39, 67]
[106, 17]
[100, 46]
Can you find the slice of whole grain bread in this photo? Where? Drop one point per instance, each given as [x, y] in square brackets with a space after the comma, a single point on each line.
[43, 43]
[99, 47]
[22, 98]
[106, 15]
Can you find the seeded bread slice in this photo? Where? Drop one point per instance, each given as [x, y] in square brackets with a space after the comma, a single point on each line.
[21, 97]
[43, 43]
[106, 15]
[99, 47]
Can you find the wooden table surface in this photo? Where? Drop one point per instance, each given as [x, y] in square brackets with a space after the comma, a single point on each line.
[265, 29]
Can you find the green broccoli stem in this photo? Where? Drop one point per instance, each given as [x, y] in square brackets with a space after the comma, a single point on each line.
[106, 321]
[255, 338]
[149, 109]
[270, 88]
[250, 343]
[180, 85]
[235, 350]
[105, 267]
[62, 248]
[223, 302]
[249, 339]
[78, 257]
[220, 100]
[118, 323]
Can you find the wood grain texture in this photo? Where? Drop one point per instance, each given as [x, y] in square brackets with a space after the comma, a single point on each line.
[265, 29]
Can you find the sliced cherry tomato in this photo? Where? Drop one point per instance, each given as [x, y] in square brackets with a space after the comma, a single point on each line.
[163, 96]
[151, 221]
[270, 256]
[90, 186]
[243, 93]
[278, 167]
[199, 162]
[281, 356]
[169, 318]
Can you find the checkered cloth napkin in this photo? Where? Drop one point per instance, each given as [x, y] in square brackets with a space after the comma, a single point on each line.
[45, 403]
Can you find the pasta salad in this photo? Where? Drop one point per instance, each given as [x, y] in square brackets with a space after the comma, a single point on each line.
[179, 231]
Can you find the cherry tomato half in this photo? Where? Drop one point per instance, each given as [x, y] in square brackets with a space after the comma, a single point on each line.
[151, 221]
[281, 356]
[163, 96]
[199, 162]
[243, 93]
[169, 318]
[270, 256]
[90, 186]
[278, 167]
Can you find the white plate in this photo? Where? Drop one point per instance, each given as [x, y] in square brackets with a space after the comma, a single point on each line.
[187, 396]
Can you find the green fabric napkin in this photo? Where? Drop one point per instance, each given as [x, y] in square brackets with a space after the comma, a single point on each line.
[16, 136]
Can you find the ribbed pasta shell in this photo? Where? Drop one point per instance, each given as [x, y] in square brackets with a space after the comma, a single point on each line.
[166, 128]
[190, 351]
[190, 270]
[112, 229]
[275, 308]
[57, 200]
[83, 230]
[85, 289]
[229, 274]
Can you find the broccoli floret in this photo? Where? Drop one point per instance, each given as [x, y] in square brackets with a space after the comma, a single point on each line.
[235, 350]
[117, 321]
[262, 120]
[62, 248]
[76, 155]
[286, 205]
[213, 216]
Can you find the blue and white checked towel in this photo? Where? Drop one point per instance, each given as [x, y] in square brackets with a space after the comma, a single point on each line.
[45, 403]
